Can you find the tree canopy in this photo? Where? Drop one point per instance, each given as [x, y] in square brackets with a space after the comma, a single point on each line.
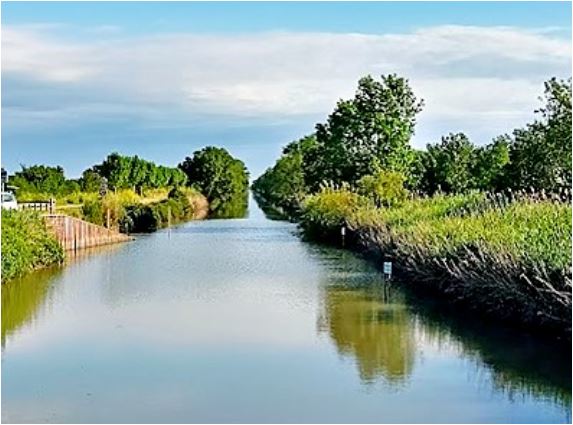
[365, 142]
[223, 179]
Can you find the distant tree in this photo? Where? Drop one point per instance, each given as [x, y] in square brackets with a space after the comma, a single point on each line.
[39, 179]
[90, 181]
[448, 165]
[217, 175]
[124, 172]
[489, 164]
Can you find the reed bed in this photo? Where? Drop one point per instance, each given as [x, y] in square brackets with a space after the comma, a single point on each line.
[504, 256]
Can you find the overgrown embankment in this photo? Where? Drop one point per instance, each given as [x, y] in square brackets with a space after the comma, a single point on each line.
[27, 244]
[129, 213]
[506, 259]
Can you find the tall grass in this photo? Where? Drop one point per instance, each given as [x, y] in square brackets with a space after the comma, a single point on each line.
[505, 258]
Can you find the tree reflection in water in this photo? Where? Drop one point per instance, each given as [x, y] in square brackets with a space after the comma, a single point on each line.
[374, 326]
[23, 299]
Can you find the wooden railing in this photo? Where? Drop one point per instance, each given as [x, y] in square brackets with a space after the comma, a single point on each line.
[47, 206]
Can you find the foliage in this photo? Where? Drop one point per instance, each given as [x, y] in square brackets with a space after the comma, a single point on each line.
[383, 188]
[224, 180]
[26, 244]
[42, 179]
[448, 164]
[540, 156]
[283, 185]
[510, 260]
[324, 213]
[177, 207]
[124, 172]
[489, 164]
[371, 130]
[91, 181]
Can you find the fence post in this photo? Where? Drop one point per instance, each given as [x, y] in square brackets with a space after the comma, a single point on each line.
[107, 218]
[52, 205]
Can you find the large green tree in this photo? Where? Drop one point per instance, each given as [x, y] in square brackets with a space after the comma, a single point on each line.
[223, 179]
[370, 131]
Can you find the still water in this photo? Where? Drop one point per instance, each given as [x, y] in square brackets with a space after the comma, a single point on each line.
[240, 321]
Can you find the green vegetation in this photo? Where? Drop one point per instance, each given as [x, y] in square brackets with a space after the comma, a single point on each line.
[123, 172]
[125, 193]
[504, 258]
[371, 133]
[487, 226]
[121, 182]
[26, 244]
[224, 180]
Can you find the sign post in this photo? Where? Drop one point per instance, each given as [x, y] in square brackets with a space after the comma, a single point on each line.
[388, 269]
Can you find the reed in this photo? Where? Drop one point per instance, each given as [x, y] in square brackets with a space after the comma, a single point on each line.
[505, 256]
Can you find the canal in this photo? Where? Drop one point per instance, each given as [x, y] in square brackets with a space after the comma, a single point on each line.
[240, 321]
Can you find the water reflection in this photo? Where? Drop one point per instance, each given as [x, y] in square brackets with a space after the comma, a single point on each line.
[374, 326]
[386, 330]
[23, 299]
[520, 365]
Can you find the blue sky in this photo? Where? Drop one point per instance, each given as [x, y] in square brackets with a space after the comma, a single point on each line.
[160, 80]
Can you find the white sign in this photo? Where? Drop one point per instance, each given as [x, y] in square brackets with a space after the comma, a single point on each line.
[388, 268]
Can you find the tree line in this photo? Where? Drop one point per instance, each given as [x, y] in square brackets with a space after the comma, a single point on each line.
[214, 172]
[365, 142]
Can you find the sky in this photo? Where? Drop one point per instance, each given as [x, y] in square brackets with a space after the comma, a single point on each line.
[163, 79]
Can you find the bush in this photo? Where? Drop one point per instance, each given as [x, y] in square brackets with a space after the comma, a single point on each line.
[384, 188]
[324, 213]
[26, 244]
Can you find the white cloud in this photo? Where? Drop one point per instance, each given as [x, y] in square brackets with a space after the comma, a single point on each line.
[485, 76]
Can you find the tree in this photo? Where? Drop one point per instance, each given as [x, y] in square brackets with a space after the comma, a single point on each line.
[216, 174]
[489, 164]
[376, 124]
[448, 165]
[90, 181]
[124, 172]
[39, 179]
[540, 155]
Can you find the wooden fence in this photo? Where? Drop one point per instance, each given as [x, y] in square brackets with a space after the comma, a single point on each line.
[73, 233]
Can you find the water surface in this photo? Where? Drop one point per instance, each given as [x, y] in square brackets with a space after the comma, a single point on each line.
[241, 321]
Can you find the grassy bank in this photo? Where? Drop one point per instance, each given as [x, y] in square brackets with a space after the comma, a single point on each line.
[505, 259]
[26, 244]
[130, 211]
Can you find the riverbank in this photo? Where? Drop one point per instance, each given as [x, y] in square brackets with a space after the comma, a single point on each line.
[505, 260]
[29, 244]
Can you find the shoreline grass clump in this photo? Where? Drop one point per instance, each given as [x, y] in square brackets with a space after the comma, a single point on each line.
[509, 262]
[26, 244]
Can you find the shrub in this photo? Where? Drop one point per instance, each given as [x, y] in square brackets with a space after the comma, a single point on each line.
[324, 213]
[26, 244]
[385, 188]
